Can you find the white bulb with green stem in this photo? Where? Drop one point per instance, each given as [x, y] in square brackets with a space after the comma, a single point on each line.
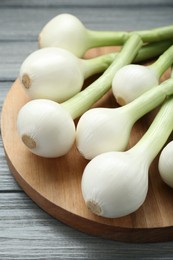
[133, 80]
[43, 123]
[68, 32]
[115, 184]
[102, 130]
[57, 74]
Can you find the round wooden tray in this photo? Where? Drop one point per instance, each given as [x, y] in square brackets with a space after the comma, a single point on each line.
[54, 184]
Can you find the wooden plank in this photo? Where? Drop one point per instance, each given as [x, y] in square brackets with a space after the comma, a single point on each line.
[12, 54]
[82, 3]
[4, 87]
[26, 232]
[7, 182]
[26, 23]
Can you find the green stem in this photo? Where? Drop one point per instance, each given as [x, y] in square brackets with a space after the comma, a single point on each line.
[106, 38]
[157, 34]
[152, 50]
[156, 136]
[81, 102]
[163, 62]
[101, 63]
[110, 38]
[150, 99]
[97, 65]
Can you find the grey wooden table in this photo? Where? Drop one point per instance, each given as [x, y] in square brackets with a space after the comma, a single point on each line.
[26, 231]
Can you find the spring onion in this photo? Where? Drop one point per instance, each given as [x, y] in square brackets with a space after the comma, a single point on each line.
[40, 122]
[101, 130]
[115, 184]
[152, 50]
[57, 74]
[68, 32]
[133, 79]
[166, 164]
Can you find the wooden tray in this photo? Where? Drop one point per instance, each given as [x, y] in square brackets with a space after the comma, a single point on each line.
[54, 184]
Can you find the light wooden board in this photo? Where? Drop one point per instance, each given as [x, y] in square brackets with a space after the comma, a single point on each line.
[54, 184]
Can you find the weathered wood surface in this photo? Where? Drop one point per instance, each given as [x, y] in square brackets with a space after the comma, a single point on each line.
[26, 232]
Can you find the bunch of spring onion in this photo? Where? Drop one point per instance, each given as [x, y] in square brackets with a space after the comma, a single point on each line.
[56, 74]
[47, 128]
[68, 32]
[115, 184]
[133, 79]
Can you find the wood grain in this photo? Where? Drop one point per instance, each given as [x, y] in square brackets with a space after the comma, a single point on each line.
[54, 184]
[118, 17]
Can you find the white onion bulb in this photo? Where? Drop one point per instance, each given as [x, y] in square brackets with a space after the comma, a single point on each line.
[115, 184]
[166, 164]
[65, 31]
[46, 128]
[52, 73]
[131, 81]
[102, 129]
